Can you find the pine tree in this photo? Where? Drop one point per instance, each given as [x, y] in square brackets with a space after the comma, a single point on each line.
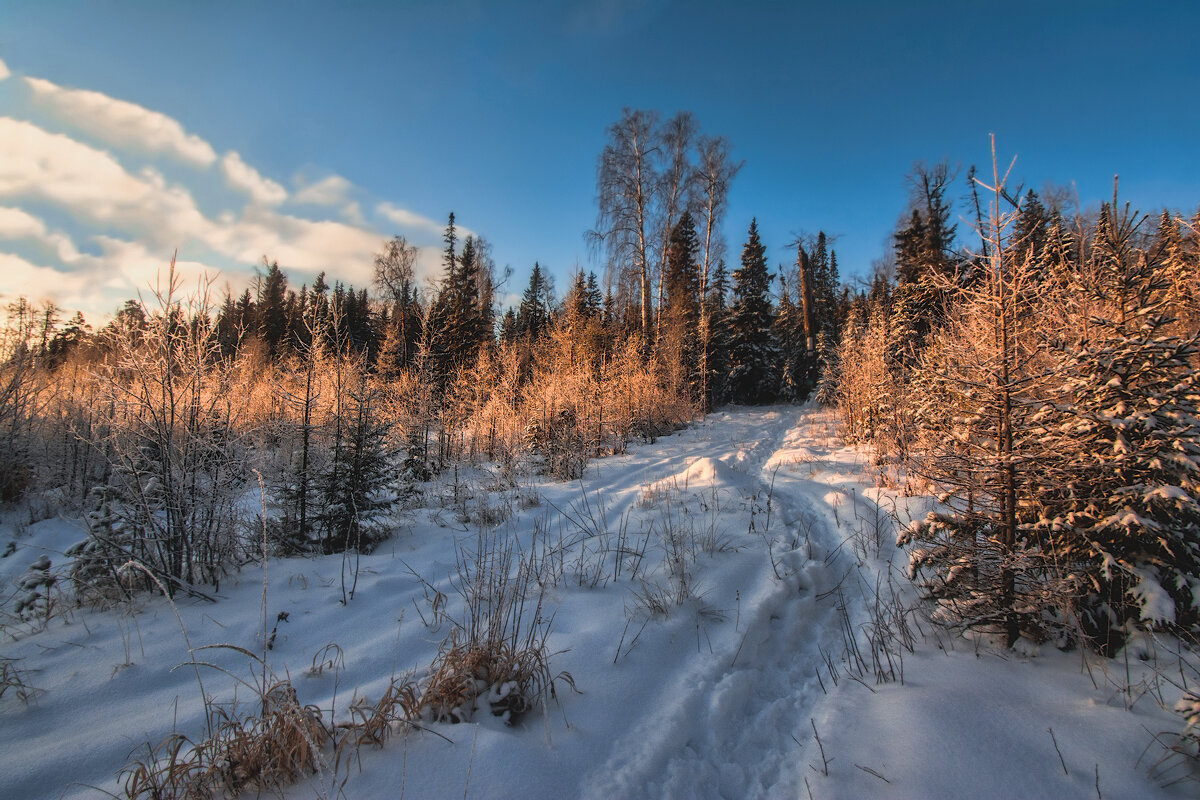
[824, 287]
[973, 393]
[576, 301]
[1029, 230]
[682, 276]
[1120, 506]
[461, 319]
[533, 316]
[678, 345]
[715, 356]
[352, 489]
[466, 319]
[1184, 299]
[753, 352]
[925, 265]
[272, 310]
[508, 326]
[73, 335]
[593, 300]
[789, 333]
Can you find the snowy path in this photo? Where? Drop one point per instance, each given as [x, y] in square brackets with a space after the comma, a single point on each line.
[706, 695]
[727, 726]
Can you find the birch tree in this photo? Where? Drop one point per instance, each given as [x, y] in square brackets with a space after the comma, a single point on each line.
[627, 187]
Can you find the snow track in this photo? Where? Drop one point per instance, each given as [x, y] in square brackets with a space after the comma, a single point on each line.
[731, 722]
[746, 545]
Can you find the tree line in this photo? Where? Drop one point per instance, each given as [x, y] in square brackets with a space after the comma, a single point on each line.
[1040, 378]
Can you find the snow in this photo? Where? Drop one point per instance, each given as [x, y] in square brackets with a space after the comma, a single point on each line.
[1155, 604]
[774, 526]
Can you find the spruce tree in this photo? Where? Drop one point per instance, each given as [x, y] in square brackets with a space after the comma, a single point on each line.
[576, 302]
[715, 357]
[1029, 229]
[272, 310]
[228, 332]
[352, 488]
[974, 393]
[789, 333]
[925, 265]
[682, 275]
[533, 316]
[678, 345]
[594, 301]
[753, 352]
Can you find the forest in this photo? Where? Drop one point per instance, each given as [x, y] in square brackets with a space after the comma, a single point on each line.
[1030, 362]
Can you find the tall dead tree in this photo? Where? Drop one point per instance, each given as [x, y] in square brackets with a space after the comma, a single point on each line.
[627, 187]
[715, 170]
[677, 185]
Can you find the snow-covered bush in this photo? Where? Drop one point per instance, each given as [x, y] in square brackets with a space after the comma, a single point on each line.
[176, 454]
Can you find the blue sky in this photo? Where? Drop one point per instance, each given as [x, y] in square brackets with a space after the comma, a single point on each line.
[308, 132]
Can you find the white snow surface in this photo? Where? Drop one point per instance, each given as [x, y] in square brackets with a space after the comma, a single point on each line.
[718, 699]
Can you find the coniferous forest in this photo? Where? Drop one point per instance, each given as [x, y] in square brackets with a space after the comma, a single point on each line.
[1029, 362]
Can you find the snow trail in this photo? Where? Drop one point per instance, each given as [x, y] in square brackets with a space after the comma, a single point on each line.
[730, 722]
[761, 537]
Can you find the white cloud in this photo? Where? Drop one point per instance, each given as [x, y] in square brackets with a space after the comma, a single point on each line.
[133, 269]
[331, 191]
[4, 73]
[122, 123]
[407, 219]
[18, 224]
[245, 178]
[23, 278]
[91, 184]
[132, 221]
[345, 251]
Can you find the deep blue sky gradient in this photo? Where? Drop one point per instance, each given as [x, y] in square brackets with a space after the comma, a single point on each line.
[498, 110]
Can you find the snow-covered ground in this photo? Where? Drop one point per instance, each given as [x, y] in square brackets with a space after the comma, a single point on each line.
[706, 667]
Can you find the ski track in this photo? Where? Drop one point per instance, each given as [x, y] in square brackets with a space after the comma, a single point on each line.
[753, 704]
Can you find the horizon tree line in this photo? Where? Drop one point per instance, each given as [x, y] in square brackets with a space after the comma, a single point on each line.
[1041, 381]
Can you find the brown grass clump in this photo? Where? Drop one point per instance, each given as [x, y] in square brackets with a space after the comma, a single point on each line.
[373, 723]
[496, 657]
[494, 676]
[244, 753]
[270, 750]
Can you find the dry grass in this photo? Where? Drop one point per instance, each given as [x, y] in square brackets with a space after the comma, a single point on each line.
[16, 681]
[266, 751]
[495, 657]
[244, 753]
[1178, 751]
[487, 676]
[373, 723]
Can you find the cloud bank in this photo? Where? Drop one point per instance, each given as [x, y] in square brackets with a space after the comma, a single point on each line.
[120, 123]
[87, 227]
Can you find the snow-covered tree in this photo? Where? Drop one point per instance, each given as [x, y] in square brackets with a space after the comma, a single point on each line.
[974, 384]
[1120, 500]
